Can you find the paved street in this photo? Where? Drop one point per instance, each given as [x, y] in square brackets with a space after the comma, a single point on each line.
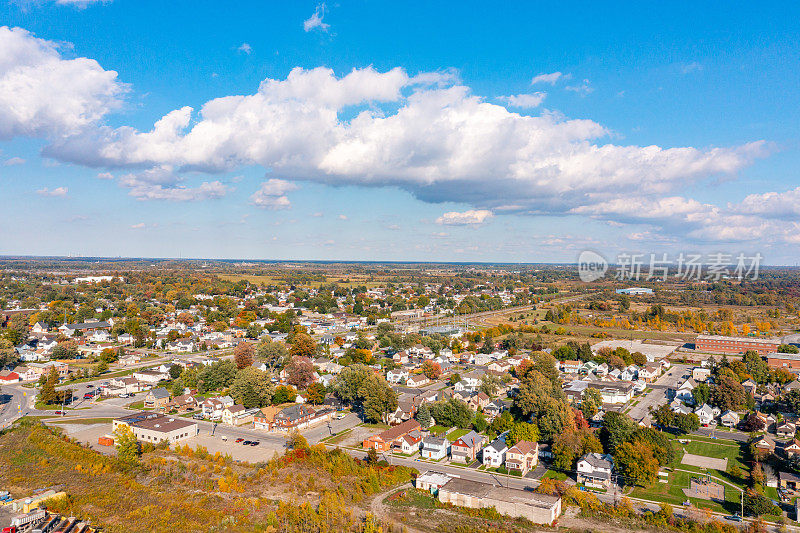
[657, 392]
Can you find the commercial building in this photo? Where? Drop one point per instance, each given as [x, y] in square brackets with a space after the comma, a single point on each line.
[735, 345]
[787, 361]
[155, 427]
[538, 508]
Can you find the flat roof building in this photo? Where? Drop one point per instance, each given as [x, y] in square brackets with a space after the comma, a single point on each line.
[155, 427]
[538, 508]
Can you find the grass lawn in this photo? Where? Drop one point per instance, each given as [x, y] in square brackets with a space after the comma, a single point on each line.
[339, 437]
[456, 434]
[437, 429]
[772, 493]
[673, 494]
[375, 426]
[86, 421]
[136, 405]
[552, 474]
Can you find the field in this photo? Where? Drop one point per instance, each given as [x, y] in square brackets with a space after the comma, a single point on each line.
[680, 474]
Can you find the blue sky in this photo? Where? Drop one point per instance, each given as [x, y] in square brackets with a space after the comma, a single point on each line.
[522, 134]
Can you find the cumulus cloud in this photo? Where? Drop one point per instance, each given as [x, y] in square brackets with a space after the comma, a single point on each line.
[439, 143]
[314, 22]
[524, 100]
[583, 88]
[58, 191]
[342, 217]
[272, 194]
[42, 94]
[550, 78]
[105, 176]
[162, 183]
[14, 161]
[771, 204]
[245, 48]
[689, 68]
[466, 218]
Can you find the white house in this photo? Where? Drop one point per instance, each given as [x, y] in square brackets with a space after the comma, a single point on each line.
[706, 414]
[435, 448]
[212, 408]
[594, 470]
[730, 419]
[684, 392]
[494, 454]
[397, 376]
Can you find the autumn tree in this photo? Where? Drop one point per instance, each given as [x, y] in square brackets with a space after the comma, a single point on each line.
[300, 372]
[274, 354]
[303, 346]
[636, 462]
[127, 446]
[243, 355]
[431, 369]
[315, 393]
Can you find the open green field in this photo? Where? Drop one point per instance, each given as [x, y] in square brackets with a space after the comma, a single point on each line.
[672, 493]
[552, 474]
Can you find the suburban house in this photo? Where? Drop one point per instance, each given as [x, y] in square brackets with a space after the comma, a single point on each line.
[237, 415]
[523, 456]
[494, 454]
[594, 470]
[9, 376]
[684, 391]
[397, 376]
[570, 367]
[786, 430]
[382, 442]
[156, 398]
[706, 414]
[435, 448]
[730, 419]
[792, 449]
[182, 404]
[69, 330]
[700, 373]
[466, 447]
[750, 386]
[493, 409]
[538, 508]
[650, 372]
[417, 380]
[411, 442]
[212, 408]
[478, 400]
[765, 444]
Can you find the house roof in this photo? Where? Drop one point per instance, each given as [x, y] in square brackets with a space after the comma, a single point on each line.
[525, 447]
[159, 393]
[471, 439]
[599, 460]
[398, 430]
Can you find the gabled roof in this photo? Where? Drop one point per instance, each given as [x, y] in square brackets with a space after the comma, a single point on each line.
[525, 447]
[599, 460]
[159, 393]
[471, 439]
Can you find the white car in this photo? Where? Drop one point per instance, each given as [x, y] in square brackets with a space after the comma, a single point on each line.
[124, 395]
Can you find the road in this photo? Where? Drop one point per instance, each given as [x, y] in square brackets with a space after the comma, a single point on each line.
[657, 392]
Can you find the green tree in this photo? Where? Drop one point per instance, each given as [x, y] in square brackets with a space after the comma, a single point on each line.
[636, 462]
[521, 431]
[756, 504]
[284, 394]
[274, 354]
[591, 403]
[177, 387]
[175, 371]
[729, 394]
[479, 423]
[451, 412]
[252, 388]
[701, 393]
[686, 422]
[424, 416]
[792, 399]
[617, 428]
[127, 446]
[47, 387]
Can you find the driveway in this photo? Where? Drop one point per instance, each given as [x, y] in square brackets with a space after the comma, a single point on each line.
[657, 392]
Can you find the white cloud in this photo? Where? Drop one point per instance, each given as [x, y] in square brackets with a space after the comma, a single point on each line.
[314, 22]
[44, 95]
[424, 134]
[58, 191]
[551, 78]
[524, 100]
[272, 194]
[318, 214]
[467, 218]
[583, 89]
[105, 176]
[245, 48]
[140, 225]
[689, 68]
[13, 162]
[342, 217]
[81, 3]
[162, 183]
[771, 204]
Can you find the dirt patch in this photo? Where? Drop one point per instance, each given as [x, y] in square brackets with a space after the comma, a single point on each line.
[702, 461]
[357, 436]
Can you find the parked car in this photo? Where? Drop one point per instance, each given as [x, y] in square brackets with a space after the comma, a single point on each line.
[197, 416]
[60, 412]
[88, 396]
[123, 395]
[239, 440]
[246, 443]
[734, 518]
[89, 386]
[255, 443]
